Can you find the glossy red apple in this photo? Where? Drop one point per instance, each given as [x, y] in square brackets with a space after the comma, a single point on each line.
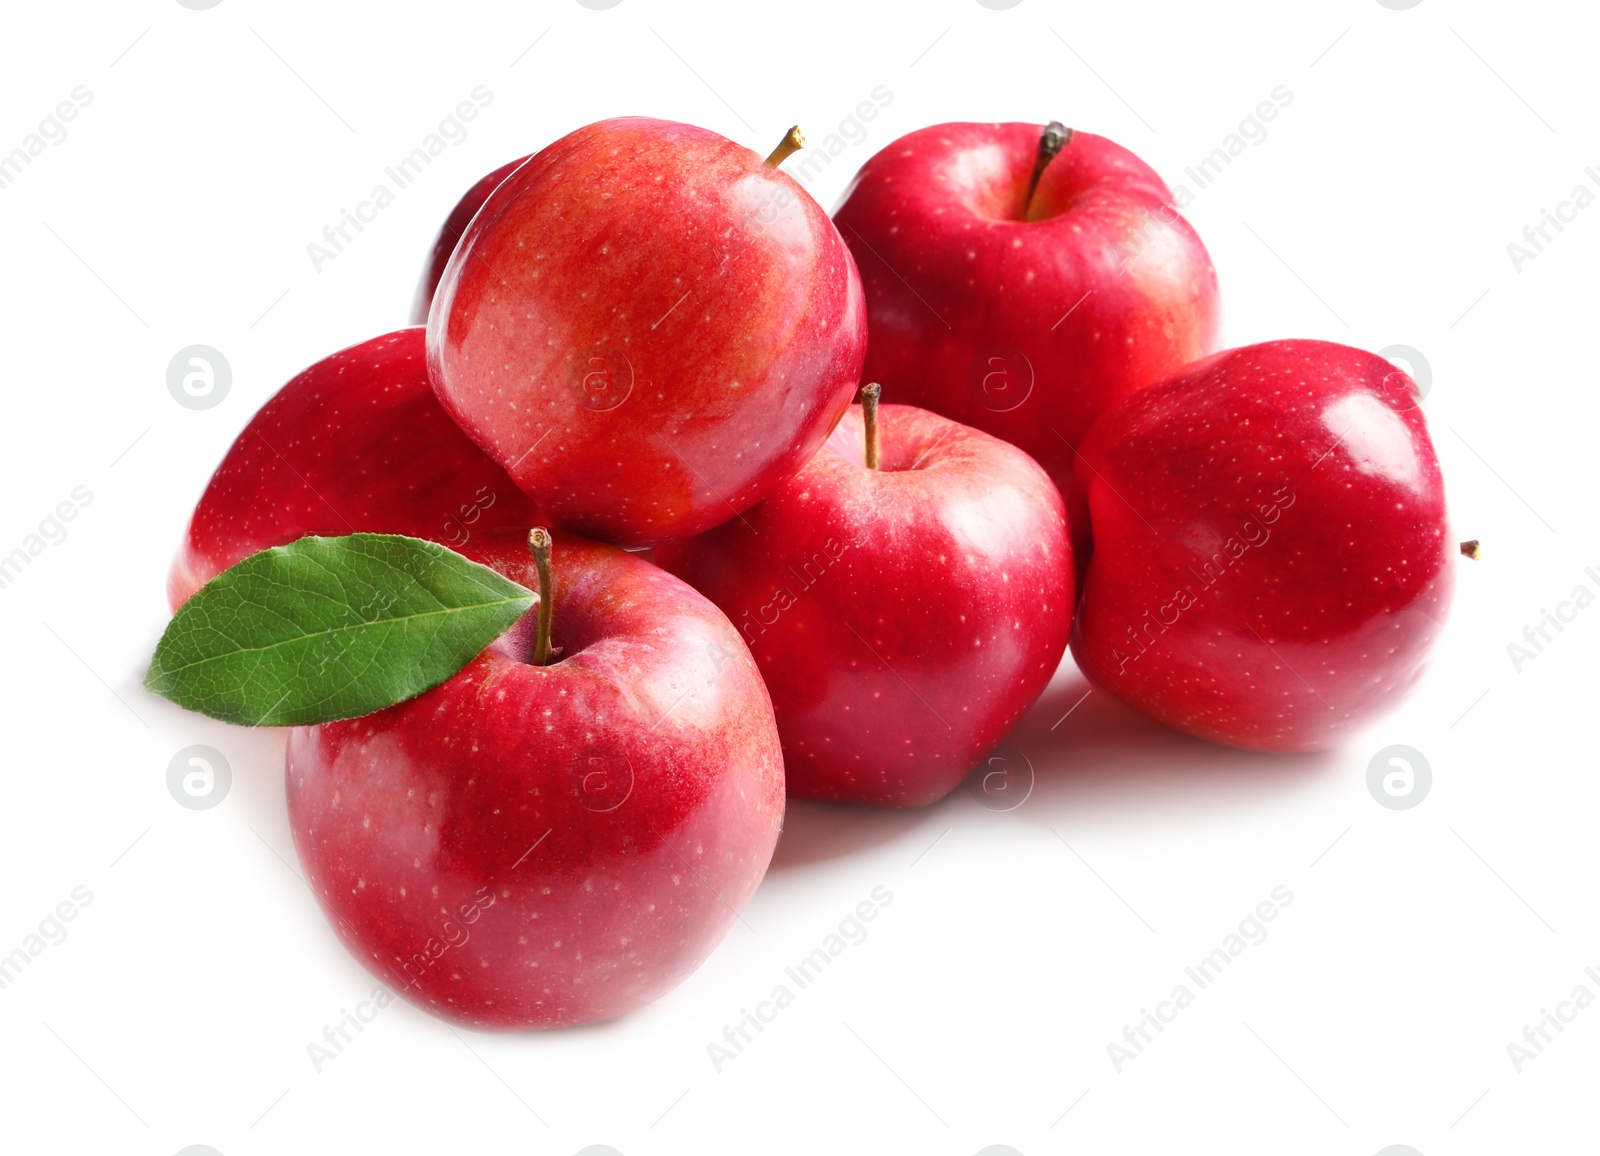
[905, 616]
[357, 442]
[450, 233]
[1024, 314]
[1269, 563]
[530, 846]
[649, 327]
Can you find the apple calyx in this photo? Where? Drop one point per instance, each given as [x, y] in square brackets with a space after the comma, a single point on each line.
[539, 543]
[1471, 549]
[1051, 141]
[793, 141]
[869, 420]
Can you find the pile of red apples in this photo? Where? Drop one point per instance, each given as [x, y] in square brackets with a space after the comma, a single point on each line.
[824, 503]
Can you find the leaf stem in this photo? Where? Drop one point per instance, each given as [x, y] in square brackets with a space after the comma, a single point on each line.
[869, 418]
[1051, 141]
[539, 543]
[793, 141]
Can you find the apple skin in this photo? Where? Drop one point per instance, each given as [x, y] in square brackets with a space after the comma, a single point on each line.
[1025, 327]
[357, 442]
[648, 328]
[546, 846]
[904, 618]
[450, 232]
[1268, 563]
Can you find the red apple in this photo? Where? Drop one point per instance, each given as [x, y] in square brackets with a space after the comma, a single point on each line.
[649, 327]
[1025, 314]
[529, 846]
[905, 616]
[445, 243]
[356, 442]
[1269, 563]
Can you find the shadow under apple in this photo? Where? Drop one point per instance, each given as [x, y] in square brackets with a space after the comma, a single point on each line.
[1077, 753]
[1087, 749]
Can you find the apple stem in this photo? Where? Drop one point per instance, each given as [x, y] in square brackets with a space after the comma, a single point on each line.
[869, 417]
[1051, 141]
[793, 141]
[539, 542]
[1472, 550]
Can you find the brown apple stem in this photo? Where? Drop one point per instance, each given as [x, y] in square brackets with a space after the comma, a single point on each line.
[793, 141]
[539, 542]
[1051, 141]
[869, 417]
[1472, 550]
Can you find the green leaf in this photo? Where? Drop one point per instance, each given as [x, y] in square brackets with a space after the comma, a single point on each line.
[330, 628]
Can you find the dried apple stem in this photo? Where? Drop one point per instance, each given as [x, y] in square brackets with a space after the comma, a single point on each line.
[869, 418]
[1051, 141]
[539, 542]
[793, 141]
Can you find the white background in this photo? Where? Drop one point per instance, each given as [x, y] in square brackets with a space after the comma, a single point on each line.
[1018, 944]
